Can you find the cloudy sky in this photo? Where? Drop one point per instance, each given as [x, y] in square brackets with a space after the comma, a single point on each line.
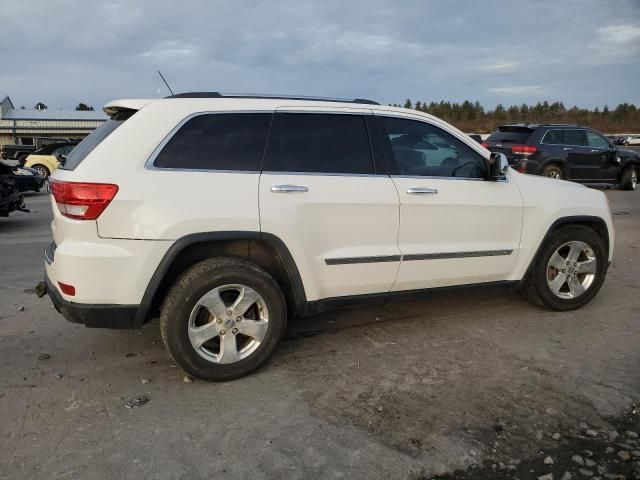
[584, 52]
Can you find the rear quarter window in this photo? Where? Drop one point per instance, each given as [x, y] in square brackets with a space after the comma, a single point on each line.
[217, 141]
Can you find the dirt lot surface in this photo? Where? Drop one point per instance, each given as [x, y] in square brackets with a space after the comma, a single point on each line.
[408, 390]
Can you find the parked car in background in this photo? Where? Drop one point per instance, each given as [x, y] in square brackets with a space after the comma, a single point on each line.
[16, 152]
[10, 197]
[617, 139]
[568, 152]
[227, 215]
[49, 157]
[633, 140]
[27, 179]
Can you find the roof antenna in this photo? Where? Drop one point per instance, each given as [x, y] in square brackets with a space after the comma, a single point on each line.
[165, 82]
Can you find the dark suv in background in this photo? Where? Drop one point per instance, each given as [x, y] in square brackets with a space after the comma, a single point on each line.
[568, 152]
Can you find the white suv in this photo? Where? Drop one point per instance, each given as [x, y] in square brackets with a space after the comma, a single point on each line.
[229, 214]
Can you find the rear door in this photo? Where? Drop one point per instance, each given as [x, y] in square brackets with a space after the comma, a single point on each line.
[324, 196]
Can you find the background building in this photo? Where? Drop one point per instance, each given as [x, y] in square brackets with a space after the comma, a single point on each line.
[34, 127]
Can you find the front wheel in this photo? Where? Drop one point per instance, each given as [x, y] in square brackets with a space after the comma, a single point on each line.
[223, 318]
[629, 180]
[553, 171]
[569, 269]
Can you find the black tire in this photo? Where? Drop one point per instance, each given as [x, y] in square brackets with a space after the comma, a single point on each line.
[553, 171]
[196, 282]
[42, 170]
[629, 179]
[537, 289]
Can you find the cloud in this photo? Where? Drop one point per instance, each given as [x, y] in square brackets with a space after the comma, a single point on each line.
[427, 49]
[518, 89]
[620, 34]
[169, 50]
[500, 67]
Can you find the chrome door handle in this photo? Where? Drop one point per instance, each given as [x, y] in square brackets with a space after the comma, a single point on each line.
[594, 150]
[288, 188]
[565, 149]
[422, 191]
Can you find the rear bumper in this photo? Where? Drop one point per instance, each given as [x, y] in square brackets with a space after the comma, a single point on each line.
[96, 316]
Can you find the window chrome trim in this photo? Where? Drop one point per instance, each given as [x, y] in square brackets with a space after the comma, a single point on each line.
[542, 142]
[504, 179]
[323, 174]
[149, 164]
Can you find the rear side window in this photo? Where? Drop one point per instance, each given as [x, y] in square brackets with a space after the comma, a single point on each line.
[319, 143]
[511, 134]
[564, 137]
[218, 141]
[95, 138]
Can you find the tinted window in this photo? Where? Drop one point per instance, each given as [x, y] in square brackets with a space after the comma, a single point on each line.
[323, 143]
[564, 137]
[421, 149]
[86, 146]
[595, 140]
[510, 134]
[573, 137]
[221, 141]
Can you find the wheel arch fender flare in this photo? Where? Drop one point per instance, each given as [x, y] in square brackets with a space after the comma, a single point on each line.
[298, 291]
[560, 162]
[586, 220]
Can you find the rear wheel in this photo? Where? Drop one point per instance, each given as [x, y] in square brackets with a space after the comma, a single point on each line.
[42, 170]
[569, 270]
[553, 171]
[223, 318]
[629, 180]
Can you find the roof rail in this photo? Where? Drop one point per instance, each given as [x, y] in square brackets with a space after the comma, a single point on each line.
[271, 97]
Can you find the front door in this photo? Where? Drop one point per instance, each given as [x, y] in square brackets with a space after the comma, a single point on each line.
[455, 227]
[321, 194]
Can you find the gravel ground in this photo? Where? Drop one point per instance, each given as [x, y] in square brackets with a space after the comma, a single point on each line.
[449, 385]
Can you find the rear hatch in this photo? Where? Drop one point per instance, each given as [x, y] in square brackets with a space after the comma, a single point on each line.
[506, 137]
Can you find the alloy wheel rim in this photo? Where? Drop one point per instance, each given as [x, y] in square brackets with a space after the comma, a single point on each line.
[228, 324]
[634, 179]
[554, 174]
[41, 171]
[571, 270]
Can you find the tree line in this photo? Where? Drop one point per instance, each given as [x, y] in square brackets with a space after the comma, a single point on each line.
[472, 117]
[82, 107]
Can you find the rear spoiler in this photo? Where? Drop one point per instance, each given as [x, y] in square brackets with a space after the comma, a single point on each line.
[117, 106]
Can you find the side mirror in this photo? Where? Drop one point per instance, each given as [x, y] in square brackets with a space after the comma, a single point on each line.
[498, 166]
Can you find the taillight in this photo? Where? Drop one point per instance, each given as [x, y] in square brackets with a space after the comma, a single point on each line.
[83, 201]
[485, 145]
[524, 149]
